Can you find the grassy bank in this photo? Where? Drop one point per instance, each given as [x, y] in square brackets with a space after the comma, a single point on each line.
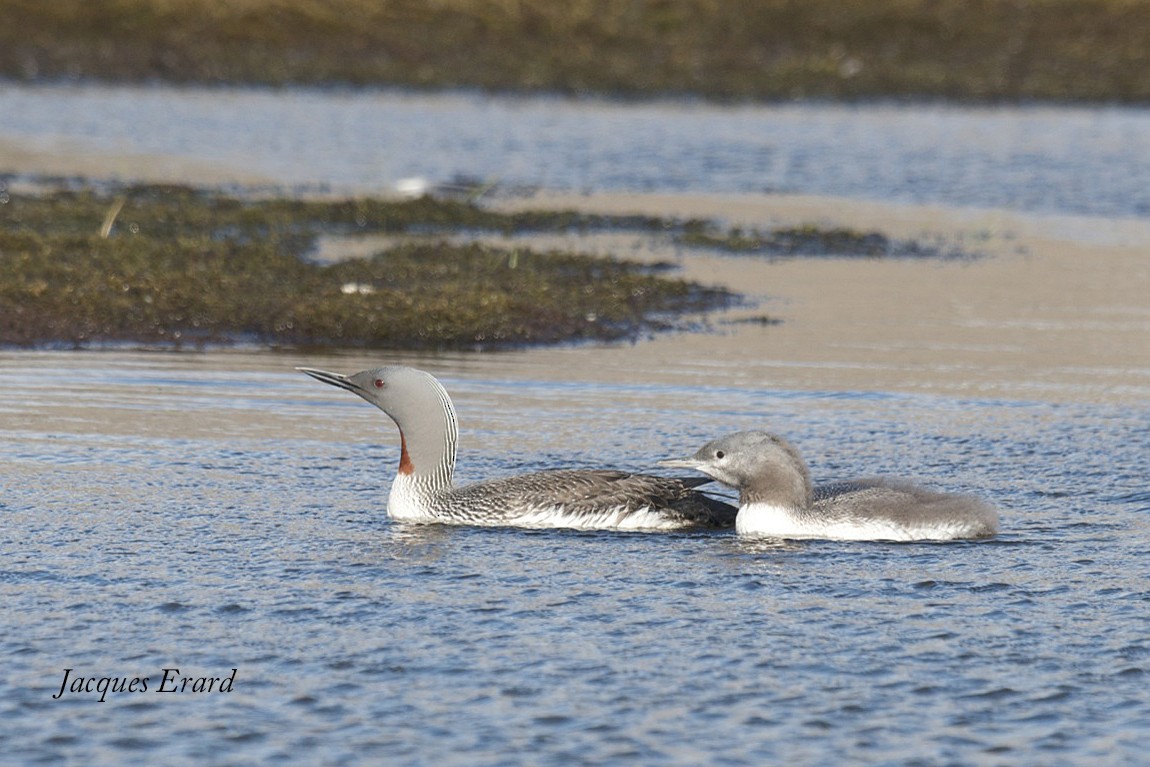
[743, 49]
[179, 266]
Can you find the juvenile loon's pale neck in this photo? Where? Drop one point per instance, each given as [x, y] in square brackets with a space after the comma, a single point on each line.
[784, 485]
[775, 475]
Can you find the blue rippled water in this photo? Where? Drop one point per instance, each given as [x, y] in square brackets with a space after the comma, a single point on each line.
[1084, 160]
[220, 511]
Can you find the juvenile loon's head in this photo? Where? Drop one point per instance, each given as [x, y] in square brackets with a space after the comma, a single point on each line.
[763, 467]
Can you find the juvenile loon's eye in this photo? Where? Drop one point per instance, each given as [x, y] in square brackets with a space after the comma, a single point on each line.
[379, 383]
[719, 454]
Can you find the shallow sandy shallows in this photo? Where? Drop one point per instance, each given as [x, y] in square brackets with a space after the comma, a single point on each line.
[1058, 308]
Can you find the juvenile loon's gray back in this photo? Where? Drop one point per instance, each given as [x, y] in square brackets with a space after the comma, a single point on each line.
[777, 499]
[423, 488]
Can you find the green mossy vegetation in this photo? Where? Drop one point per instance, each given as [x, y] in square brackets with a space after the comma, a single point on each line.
[190, 267]
[984, 50]
[809, 240]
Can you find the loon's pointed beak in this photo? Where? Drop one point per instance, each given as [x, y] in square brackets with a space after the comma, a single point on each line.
[335, 379]
[683, 463]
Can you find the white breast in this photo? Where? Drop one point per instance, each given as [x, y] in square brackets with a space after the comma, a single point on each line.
[406, 504]
[771, 521]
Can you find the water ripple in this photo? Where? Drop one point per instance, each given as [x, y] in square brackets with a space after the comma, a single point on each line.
[358, 640]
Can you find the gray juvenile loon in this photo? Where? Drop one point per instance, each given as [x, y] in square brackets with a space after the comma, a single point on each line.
[585, 498]
[776, 498]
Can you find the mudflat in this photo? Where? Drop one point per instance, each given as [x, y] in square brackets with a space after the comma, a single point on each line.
[1047, 307]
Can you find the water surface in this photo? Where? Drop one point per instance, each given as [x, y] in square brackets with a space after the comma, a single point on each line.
[211, 511]
[1085, 160]
[218, 511]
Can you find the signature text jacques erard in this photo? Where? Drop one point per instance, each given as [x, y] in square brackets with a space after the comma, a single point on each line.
[169, 681]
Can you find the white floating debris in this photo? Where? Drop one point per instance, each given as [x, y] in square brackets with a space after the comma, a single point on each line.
[356, 289]
[412, 187]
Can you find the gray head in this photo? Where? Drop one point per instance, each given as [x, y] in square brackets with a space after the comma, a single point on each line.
[420, 407]
[764, 468]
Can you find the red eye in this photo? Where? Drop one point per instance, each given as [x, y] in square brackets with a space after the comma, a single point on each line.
[379, 383]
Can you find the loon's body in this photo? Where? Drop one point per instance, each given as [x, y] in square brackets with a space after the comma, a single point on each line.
[423, 489]
[777, 499]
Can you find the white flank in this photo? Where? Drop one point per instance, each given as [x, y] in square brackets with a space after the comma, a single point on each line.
[617, 518]
[779, 522]
[407, 504]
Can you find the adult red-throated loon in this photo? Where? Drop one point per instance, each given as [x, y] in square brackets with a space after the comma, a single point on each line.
[423, 490]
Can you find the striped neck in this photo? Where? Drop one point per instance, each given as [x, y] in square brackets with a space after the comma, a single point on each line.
[428, 434]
